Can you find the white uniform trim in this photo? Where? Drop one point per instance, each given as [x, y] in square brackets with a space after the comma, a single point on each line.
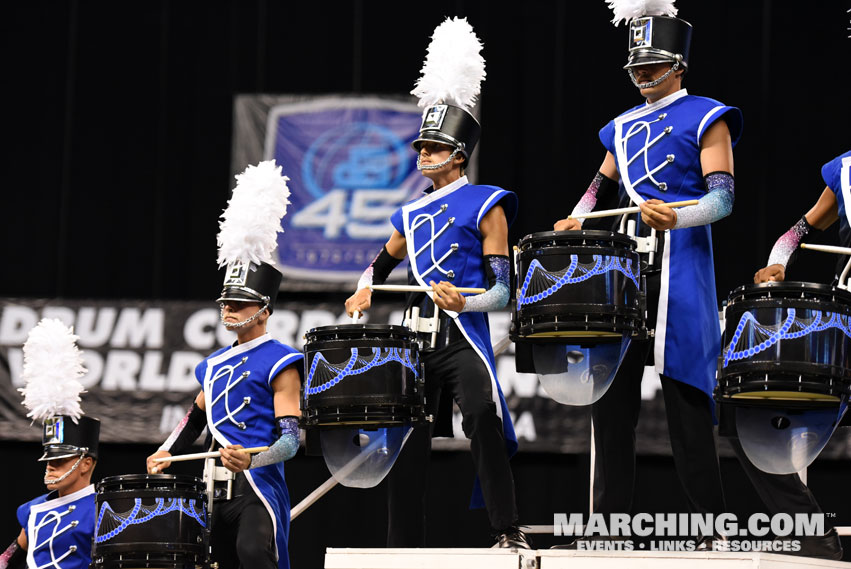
[409, 243]
[845, 183]
[662, 312]
[485, 207]
[32, 529]
[705, 120]
[620, 146]
[280, 364]
[219, 436]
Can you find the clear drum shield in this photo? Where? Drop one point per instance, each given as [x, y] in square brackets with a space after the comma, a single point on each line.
[578, 375]
[784, 441]
[359, 457]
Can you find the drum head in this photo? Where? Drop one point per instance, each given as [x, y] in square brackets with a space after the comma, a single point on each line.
[361, 458]
[578, 374]
[784, 441]
[358, 331]
[150, 481]
[790, 290]
[581, 236]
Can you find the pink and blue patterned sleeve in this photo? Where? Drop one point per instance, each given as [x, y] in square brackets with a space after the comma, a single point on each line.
[788, 242]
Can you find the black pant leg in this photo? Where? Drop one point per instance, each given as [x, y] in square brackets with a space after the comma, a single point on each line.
[690, 426]
[407, 481]
[255, 541]
[243, 534]
[223, 534]
[615, 417]
[407, 487]
[466, 375]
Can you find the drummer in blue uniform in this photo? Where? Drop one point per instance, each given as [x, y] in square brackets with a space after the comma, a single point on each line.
[830, 207]
[787, 493]
[250, 390]
[455, 235]
[674, 146]
[57, 527]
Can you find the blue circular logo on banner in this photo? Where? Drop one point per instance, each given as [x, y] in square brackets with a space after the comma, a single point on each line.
[355, 155]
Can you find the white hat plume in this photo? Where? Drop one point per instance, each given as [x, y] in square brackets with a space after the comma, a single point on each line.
[628, 10]
[252, 220]
[53, 365]
[454, 69]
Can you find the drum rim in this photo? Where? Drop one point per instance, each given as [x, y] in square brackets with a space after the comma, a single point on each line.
[139, 477]
[789, 286]
[589, 233]
[393, 328]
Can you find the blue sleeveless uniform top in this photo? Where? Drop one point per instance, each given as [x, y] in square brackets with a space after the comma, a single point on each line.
[444, 243]
[59, 530]
[657, 150]
[240, 407]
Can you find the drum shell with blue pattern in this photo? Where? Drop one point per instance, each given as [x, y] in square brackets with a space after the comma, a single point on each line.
[791, 337]
[601, 296]
[361, 374]
[178, 536]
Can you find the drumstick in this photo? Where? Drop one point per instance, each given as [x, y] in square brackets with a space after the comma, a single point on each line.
[635, 209]
[418, 288]
[199, 455]
[827, 248]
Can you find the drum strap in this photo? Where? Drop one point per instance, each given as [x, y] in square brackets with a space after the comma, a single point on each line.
[447, 333]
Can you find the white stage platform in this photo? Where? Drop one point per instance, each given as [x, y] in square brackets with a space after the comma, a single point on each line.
[562, 559]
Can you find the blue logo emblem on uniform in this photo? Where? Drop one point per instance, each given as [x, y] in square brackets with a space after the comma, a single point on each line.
[350, 166]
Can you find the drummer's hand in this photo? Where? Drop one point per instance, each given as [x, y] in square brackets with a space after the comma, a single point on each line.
[447, 297]
[234, 459]
[769, 273]
[360, 301]
[567, 224]
[658, 216]
[157, 467]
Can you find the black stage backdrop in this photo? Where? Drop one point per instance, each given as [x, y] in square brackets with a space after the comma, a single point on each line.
[118, 125]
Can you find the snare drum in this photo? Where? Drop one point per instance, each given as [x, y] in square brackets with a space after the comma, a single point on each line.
[151, 520]
[786, 344]
[362, 374]
[577, 285]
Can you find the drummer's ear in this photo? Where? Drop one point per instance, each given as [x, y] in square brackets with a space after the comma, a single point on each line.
[87, 466]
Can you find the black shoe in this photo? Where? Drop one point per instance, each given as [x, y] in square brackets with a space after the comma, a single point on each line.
[825, 546]
[712, 543]
[514, 537]
[617, 540]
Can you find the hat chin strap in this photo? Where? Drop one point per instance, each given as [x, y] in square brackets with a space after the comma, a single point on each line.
[420, 167]
[650, 84]
[244, 322]
[67, 474]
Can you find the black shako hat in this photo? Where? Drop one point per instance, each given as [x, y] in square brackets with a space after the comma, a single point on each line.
[250, 282]
[63, 438]
[658, 39]
[450, 125]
